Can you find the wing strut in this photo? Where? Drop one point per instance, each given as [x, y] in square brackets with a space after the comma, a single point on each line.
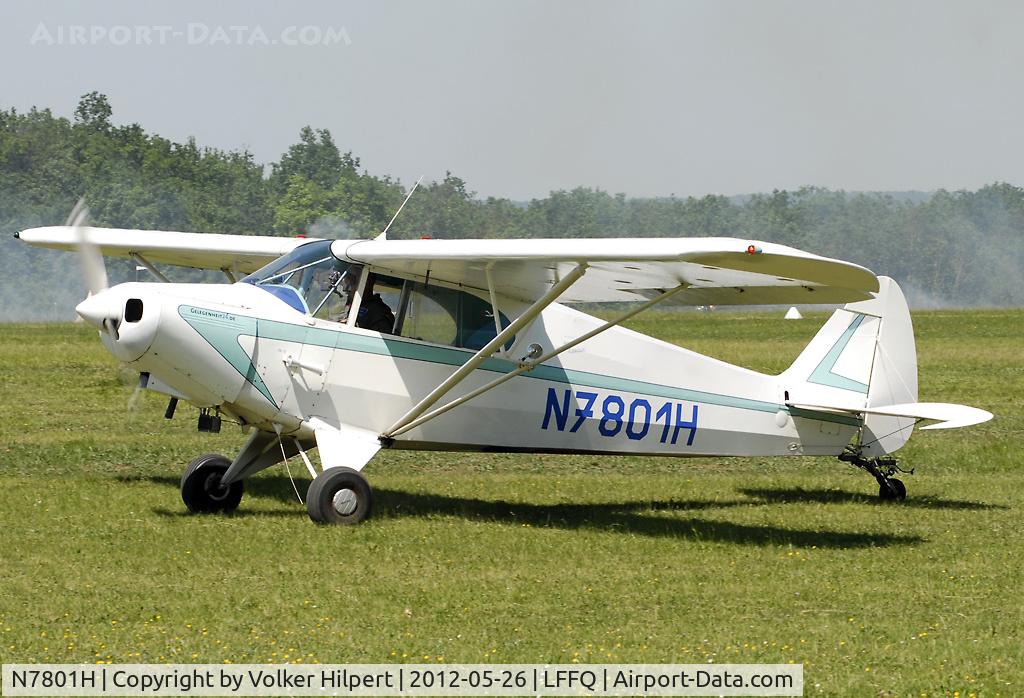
[139, 259]
[492, 346]
[530, 364]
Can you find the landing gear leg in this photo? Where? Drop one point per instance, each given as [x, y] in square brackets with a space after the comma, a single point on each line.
[882, 469]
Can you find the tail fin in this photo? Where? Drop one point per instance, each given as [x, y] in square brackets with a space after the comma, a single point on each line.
[863, 357]
[893, 371]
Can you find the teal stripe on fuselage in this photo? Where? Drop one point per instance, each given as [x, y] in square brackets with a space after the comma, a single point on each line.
[222, 331]
[451, 356]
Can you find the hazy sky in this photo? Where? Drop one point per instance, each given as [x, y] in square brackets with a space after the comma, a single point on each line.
[646, 98]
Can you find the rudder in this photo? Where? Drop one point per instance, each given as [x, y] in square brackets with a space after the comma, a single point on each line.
[894, 369]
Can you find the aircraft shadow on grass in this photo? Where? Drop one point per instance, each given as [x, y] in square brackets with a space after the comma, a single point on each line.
[630, 517]
[797, 495]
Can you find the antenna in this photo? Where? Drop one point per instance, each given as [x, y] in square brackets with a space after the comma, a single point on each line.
[384, 233]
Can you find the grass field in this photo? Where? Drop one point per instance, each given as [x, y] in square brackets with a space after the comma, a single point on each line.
[479, 557]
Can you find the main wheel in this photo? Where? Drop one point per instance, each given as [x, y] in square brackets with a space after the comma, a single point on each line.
[339, 496]
[201, 489]
[896, 491]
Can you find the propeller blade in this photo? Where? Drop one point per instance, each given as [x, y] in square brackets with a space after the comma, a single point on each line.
[93, 268]
[133, 401]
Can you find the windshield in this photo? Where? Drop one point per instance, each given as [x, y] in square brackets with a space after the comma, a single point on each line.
[309, 278]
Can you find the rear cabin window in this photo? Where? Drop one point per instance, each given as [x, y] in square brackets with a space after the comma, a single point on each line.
[438, 314]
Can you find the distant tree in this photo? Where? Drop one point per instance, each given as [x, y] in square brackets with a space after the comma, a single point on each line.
[775, 217]
[365, 203]
[94, 111]
[316, 158]
[303, 203]
[444, 209]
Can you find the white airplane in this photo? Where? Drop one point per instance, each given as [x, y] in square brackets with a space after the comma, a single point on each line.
[479, 349]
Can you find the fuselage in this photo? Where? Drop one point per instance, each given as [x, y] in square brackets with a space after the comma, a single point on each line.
[241, 349]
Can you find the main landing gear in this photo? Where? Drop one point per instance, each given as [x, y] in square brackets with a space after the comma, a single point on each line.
[201, 487]
[338, 495]
[883, 470]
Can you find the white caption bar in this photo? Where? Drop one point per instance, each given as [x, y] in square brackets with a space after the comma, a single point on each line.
[403, 680]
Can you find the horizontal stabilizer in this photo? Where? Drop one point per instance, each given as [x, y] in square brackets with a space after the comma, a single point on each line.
[946, 415]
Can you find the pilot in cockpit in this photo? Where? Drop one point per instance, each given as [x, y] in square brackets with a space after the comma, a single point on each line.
[374, 313]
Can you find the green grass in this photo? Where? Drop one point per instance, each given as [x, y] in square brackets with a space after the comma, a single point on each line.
[480, 557]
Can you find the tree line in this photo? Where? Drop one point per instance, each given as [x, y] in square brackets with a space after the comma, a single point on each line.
[958, 248]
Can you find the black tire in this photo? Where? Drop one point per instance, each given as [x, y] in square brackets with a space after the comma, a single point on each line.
[339, 496]
[201, 489]
[895, 491]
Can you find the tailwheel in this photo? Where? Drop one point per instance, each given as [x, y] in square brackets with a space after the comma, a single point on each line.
[201, 487]
[339, 495]
[892, 490]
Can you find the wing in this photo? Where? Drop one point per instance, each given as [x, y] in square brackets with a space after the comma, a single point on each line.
[236, 253]
[716, 271]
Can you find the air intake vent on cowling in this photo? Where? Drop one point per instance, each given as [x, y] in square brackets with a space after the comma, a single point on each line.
[133, 310]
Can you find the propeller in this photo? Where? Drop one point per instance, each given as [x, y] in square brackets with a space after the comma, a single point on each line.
[101, 308]
[93, 268]
[96, 308]
[135, 399]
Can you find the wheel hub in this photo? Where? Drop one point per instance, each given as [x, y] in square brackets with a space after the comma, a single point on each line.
[345, 501]
[214, 488]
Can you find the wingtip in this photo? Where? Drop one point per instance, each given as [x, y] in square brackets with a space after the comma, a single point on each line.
[17, 235]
